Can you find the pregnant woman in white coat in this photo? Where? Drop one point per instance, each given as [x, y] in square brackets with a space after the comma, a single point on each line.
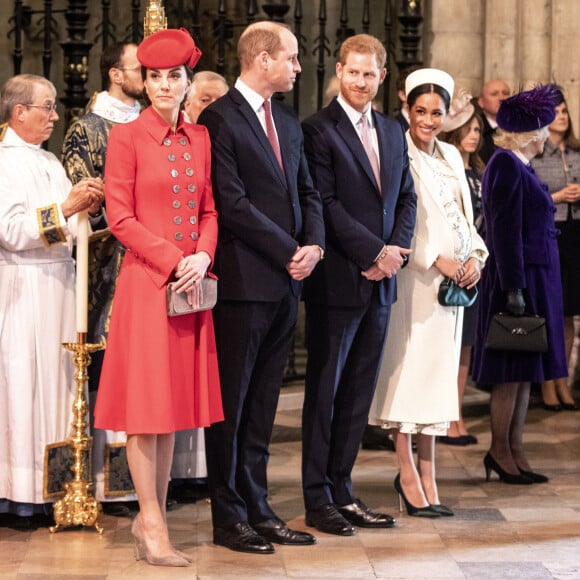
[417, 388]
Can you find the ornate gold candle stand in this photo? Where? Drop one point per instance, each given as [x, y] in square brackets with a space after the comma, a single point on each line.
[78, 507]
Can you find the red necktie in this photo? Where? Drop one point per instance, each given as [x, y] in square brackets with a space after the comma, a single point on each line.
[271, 133]
[365, 134]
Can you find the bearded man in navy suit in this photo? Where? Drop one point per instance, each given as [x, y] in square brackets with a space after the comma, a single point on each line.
[369, 212]
[271, 236]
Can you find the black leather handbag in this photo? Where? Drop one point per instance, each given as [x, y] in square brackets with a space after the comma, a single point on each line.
[523, 333]
[452, 295]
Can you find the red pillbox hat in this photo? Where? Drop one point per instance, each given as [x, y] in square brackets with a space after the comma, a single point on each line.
[167, 49]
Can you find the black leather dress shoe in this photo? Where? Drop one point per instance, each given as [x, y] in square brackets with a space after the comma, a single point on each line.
[359, 514]
[275, 530]
[241, 537]
[329, 520]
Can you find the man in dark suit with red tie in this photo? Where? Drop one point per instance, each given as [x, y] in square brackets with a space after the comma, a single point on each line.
[358, 160]
[271, 236]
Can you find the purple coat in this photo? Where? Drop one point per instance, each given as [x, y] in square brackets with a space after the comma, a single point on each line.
[523, 253]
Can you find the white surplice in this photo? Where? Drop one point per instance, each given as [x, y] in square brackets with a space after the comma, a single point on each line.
[37, 314]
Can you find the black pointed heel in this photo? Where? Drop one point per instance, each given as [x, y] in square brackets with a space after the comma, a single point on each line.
[535, 477]
[491, 464]
[421, 512]
[442, 510]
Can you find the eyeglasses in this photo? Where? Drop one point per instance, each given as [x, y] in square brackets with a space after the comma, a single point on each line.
[48, 109]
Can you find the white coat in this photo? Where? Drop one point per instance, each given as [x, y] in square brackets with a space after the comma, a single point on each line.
[417, 385]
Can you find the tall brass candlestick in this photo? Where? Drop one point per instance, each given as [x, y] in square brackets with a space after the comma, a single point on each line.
[78, 507]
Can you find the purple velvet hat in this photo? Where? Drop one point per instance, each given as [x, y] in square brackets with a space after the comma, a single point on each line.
[528, 110]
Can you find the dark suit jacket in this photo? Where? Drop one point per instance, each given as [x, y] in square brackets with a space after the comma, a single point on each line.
[264, 213]
[359, 218]
[487, 145]
[402, 121]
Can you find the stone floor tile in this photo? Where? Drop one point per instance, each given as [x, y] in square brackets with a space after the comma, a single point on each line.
[505, 571]
[499, 531]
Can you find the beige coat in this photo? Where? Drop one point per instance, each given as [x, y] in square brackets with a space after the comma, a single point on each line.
[418, 378]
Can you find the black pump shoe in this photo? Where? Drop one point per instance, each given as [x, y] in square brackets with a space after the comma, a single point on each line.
[535, 477]
[491, 464]
[421, 512]
[442, 510]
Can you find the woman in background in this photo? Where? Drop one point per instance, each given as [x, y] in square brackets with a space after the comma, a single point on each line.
[463, 128]
[559, 167]
[417, 387]
[522, 275]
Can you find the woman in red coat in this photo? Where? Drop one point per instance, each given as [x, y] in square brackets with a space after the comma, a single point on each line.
[159, 374]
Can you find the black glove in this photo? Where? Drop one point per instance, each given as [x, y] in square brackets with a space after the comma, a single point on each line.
[515, 303]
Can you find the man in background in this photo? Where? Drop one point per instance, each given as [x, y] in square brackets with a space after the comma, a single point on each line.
[492, 94]
[189, 470]
[402, 117]
[38, 221]
[206, 87]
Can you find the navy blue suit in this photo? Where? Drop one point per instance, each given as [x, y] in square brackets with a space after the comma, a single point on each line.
[264, 215]
[347, 315]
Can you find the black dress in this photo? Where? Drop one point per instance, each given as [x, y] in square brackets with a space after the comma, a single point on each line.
[470, 314]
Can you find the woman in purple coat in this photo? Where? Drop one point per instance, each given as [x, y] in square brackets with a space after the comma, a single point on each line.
[522, 274]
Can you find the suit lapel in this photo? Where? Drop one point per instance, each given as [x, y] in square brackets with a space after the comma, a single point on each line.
[428, 186]
[283, 139]
[456, 164]
[385, 158]
[260, 134]
[348, 133]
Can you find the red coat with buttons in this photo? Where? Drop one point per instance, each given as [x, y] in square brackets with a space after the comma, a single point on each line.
[159, 374]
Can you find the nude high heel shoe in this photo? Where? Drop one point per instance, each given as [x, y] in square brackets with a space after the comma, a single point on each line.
[183, 555]
[142, 553]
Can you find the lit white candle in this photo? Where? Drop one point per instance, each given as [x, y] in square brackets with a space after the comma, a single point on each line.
[82, 280]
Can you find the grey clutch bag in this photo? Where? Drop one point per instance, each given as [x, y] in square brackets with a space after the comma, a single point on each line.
[177, 303]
